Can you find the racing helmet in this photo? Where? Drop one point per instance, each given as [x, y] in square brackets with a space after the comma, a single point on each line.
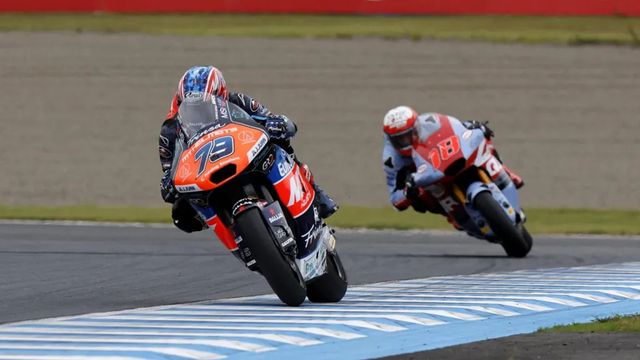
[202, 79]
[398, 125]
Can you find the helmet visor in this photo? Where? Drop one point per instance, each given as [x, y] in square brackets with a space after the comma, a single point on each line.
[402, 140]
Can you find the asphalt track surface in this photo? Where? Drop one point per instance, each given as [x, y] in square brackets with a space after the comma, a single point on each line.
[58, 270]
[82, 111]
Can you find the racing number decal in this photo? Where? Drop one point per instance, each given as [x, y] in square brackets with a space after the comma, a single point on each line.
[213, 151]
[449, 147]
[444, 150]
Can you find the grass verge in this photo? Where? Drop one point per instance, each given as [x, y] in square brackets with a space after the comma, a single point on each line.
[612, 324]
[555, 221]
[529, 29]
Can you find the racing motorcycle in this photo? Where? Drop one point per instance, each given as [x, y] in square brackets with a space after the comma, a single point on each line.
[234, 175]
[459, 167]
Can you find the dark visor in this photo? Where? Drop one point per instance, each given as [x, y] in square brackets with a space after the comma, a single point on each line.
[403, 140]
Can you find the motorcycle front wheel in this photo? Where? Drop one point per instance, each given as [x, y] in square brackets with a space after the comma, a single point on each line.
[281, 273]
[512, 239]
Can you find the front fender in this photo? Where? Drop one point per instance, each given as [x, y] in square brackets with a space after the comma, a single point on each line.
[477, 187]
[274, 219]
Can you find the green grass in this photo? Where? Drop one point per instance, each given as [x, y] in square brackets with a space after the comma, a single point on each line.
[554, 221]
[530, 29]
[613, 324]
[86, 213]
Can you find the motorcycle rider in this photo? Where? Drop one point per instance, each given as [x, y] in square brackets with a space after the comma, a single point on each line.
[209, 80]
[399, 126]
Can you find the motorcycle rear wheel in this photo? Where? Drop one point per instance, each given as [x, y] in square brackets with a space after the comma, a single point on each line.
[281, 273]
[331, 286]
[508, 234]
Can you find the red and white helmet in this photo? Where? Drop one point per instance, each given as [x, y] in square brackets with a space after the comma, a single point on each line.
[398, 124]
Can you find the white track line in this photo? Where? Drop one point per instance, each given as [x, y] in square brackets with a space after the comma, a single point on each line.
[173, 351]
[335, 308]
[353, 323]
[338, 334]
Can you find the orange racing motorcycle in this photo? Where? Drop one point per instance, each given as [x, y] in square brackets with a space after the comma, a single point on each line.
[257, 199]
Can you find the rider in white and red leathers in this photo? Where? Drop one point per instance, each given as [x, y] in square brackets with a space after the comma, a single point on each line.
[399, 128]
[209, 80]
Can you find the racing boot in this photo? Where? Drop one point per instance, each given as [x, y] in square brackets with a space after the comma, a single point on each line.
[517, 180]
[326, 205]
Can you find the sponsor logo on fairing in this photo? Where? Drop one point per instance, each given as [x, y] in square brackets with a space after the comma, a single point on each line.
[208, 130]
[287, 243]
[268, 162]
[224, 112]
[280, 233]
[484, 153]
[188, 188]
[493, 166]
[184, 171]
[285, 166]
[255, 150]
[296, 190]
[311, 234]
[315, 264]
[448, 204]
[245, 137]
[276, 217]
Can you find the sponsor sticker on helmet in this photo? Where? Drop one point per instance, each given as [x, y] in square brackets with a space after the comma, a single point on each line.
[398, 117]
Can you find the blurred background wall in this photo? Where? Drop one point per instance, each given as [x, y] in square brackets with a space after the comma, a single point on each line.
[414, 7]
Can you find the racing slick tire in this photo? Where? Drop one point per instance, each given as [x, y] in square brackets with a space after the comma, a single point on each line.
[506, 232]
[281, 272]
[331, 286]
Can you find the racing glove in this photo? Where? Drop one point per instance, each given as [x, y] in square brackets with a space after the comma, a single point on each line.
[280, 127]
[411, 190]
[167, 190]
[473, 124]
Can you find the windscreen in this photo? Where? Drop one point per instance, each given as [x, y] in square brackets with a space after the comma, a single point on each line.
[195, 113]
[428, 124]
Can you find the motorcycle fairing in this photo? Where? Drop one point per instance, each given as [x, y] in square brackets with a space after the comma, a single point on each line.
[314, 264]
[294, 190]
[296, 193]
[434, 155]
[235, 144]
[483, 157]
[215, 223]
